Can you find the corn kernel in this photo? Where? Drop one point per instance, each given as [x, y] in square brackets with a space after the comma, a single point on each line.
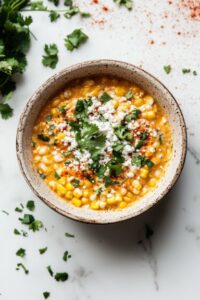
[138, 102]
[88, 183]
[94, 205]
[60, 189]
[69, 195]
[77, 193]
[102, 204]
[148, 100]
[37, 158]
[123, 191]
[149, 115]
[120, 91]
[152, 182]
[115, 103]
[127, 199]
[54, 111]
[96, 91]
[118, 198]
[52, 184]
[136, 184]
[86, 193]
[111, 200]
[69, 187]
[122, 204]
[62, 180]
[144, 173]
[84, 200]
[42, 150]
[60, 136]
[77, 202]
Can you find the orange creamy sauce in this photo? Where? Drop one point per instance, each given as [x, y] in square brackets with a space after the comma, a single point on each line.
[102, 143]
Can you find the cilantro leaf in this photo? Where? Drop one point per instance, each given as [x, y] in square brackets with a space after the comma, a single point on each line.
[56, 175]
[54, 15]
[72, 11]
[55, 2]
[105, 97]
[46, 295]
[27, 219]
[37, 5]
[134, 115]
[123, 133]
[109, 181]
[30, 205]
[43, 137]
[66, 256]
[36, 225]
[17, 232]
[21, 252]
[75, 182]
[138, 160]
[186, 71]
[50, 58]
[69, 235]
[43, 250]
[75, 39]
[6, 111]
[127, 3]
[61, 276]
[50, 271]
[167, 69]
[20, 265]
[68, 2]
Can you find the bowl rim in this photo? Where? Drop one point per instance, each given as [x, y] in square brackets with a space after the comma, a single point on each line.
[90, 63]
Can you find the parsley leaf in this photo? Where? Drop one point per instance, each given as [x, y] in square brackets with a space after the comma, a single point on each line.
[61, 276]
[75, 39]
[30, 205]
[50, 58]
[54, 15]
[21, 252]
[105, 97]
[167, 69]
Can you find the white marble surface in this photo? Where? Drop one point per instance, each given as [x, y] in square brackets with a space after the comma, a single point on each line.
[107, 261]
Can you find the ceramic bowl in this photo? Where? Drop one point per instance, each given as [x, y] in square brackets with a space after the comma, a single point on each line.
[117, 69]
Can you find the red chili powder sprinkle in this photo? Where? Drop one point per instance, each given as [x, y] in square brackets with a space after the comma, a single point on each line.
[105, 8]
[193, 6]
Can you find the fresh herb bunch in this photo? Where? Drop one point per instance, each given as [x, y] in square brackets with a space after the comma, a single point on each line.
[14, 43]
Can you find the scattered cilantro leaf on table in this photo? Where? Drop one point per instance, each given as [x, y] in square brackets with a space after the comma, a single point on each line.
[61, 276]
[127, 3]
[75, 39]
[43, 250]
[50, 271]
[68, 2]
[186, 71]
[21, 252]
[167, 69]
[69, 235]
[37, 5]
[66, 256]
[55, 2]
[30, 205]
[20, 265]
[46, 295]
[50, 58]
[54, 15]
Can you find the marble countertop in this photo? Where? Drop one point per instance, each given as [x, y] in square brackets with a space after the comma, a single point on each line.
[107, 261]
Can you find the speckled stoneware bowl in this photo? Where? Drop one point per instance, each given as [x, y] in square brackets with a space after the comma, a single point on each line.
[60, 80]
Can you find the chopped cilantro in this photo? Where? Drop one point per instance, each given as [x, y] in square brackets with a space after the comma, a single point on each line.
[138, 160]
[149, 163]
[27, 219]
[37, 5]
[140, 144]
[5, 110]
[73, 10]
[85, 14]
[19, 209]
[21, 252]
[75, 182]
[49, 118]
[109, 181]
[123, 133]
[105, 97]
[127, 3]
[50, 58]
[46, 295]
[66, 256]
[185, 71]
[43, 137]
[68, 2]
[30, 205]
[55, 2]
[50, 270]
[99, 191]
[17, 232]
[62, 110]
[36, 225]
[5, 212]
[61, 276]
[194, 73]
[90, 178]
[75, 39]
[43, 250]
[57, 176]
[129, 95]
[167, 69]
[69, 235]
[143, 135]
[20, 265]
[43, 176]
[133, 115]
[54, 15]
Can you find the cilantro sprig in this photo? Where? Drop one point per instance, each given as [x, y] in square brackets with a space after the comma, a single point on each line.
[50, 58]
[75, 39]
